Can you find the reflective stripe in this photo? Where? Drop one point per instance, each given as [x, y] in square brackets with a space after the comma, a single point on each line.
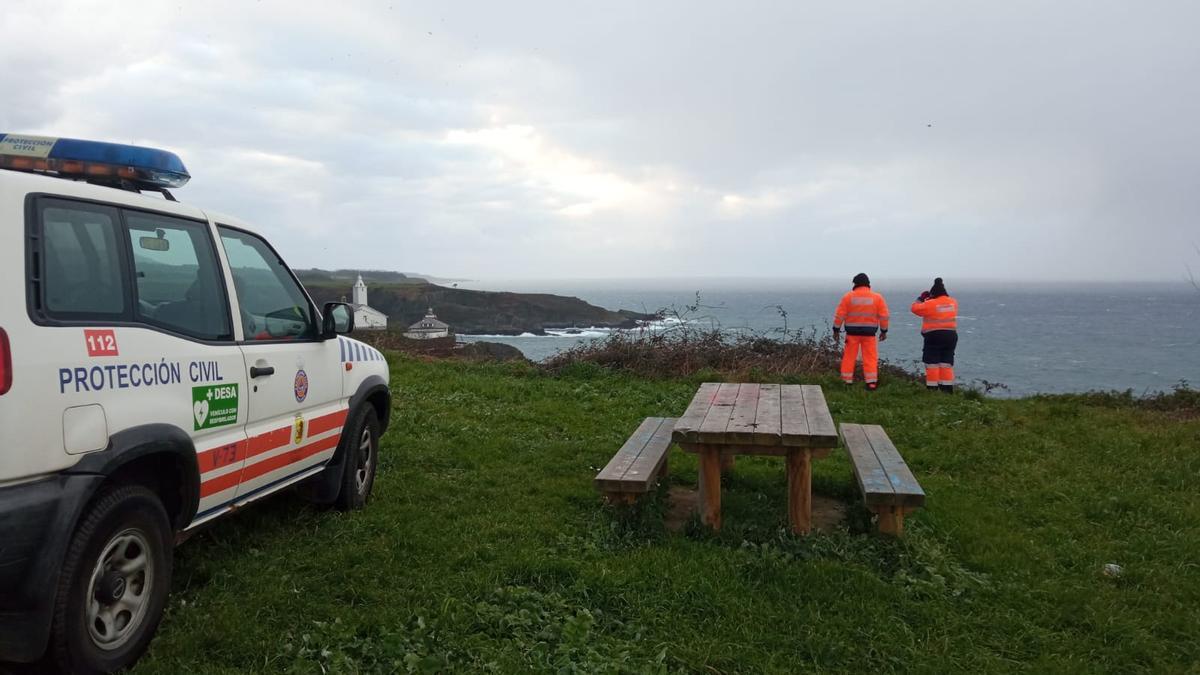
[862, 301]
[862, 315]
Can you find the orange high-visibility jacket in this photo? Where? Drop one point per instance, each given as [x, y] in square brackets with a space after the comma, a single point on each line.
[939, 313]
[863, 311]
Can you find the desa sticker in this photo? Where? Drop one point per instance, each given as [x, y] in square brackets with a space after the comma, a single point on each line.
[300, 388]
[214, 406]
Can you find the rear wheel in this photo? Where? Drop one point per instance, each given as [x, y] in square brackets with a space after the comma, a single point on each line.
[361, 462]
[114, 583]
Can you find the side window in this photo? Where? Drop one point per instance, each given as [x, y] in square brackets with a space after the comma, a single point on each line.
[177, 277]
[273, 306]
[81, 262]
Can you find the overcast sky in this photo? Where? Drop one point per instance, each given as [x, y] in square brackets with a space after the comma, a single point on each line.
[1005, 139]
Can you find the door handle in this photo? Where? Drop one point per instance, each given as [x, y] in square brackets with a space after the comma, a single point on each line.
[255, 371]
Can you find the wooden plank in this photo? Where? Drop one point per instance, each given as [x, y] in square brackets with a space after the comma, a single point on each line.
[769, 428]
[742, 426]
[610, 476]
[872, 479]
[739, 449]
[908, 491]
[821, 429]
[613, 476]
[712, 429]
[710, 487]
[799, 478]
[687, 427]
[793, 420]
[645, 469]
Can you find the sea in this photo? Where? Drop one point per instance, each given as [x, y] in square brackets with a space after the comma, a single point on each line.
[1029, 337]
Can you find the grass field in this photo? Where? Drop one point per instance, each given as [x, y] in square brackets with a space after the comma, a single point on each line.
[485, 547]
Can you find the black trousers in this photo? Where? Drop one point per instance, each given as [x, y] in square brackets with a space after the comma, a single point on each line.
[939, 347]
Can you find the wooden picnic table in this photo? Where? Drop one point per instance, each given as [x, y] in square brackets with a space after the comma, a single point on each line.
[725, 420]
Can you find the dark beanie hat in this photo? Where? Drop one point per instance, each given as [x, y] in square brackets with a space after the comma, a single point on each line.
[861, 279]
[938, 289]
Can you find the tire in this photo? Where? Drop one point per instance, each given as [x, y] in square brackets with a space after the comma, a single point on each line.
[361, 460]
[101, 622]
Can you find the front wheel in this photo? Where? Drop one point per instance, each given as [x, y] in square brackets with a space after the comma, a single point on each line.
[114, 583]
[361, 460]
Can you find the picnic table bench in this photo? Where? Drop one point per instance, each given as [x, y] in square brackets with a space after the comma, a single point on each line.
[888, 486]
[725, 420]
[640, 461]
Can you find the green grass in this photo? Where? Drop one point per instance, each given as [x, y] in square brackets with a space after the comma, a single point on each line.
[485, 547]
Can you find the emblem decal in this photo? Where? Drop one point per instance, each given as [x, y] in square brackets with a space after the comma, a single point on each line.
[301, 386]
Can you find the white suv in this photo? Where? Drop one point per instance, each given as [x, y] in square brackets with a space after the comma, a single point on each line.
[160, 367]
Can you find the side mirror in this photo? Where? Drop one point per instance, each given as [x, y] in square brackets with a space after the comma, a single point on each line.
[338, 319]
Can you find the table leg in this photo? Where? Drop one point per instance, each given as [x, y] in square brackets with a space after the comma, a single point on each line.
[727, 462]
[799, 475]
[710, 487]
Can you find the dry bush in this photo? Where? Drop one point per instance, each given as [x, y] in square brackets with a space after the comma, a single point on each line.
[683, 349]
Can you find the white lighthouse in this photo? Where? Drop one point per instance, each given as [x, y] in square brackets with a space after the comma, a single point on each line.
[365, 316]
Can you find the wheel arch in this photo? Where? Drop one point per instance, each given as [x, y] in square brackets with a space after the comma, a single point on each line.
[373, 391]
[160, 456]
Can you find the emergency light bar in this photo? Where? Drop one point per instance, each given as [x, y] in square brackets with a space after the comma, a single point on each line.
[93, 161]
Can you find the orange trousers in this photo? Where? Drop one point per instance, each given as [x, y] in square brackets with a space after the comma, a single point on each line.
[939, 374]
[870, 357]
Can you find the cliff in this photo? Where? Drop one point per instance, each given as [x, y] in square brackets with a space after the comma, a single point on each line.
[479, 312]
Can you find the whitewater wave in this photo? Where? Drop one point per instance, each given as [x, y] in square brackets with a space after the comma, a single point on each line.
[591, 332]
[579, 332]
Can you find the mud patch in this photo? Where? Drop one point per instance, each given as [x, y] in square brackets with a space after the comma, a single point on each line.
[827, 513]
[682, 502]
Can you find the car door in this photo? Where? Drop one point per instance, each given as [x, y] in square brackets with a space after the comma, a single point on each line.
[296, 407]
[140, 329]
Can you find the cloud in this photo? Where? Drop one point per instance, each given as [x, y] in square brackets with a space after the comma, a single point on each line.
[556, 139]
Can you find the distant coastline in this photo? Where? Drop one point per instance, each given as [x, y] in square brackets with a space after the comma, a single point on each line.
[406, 299]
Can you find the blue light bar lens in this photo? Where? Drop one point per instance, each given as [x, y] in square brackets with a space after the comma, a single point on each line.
[74, 158]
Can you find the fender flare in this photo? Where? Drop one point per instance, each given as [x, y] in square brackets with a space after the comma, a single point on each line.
[370, 386]
[136, 442]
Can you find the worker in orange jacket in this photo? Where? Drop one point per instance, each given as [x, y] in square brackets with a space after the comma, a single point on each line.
[939, 328]
[863, 312]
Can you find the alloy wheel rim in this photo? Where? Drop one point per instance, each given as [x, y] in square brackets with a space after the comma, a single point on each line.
[366, 458]
[118, 594]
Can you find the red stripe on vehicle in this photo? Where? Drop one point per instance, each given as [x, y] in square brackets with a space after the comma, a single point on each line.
[220, 456]
[271, 440]
[301, 453]
[326, 422]
[212, 486]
